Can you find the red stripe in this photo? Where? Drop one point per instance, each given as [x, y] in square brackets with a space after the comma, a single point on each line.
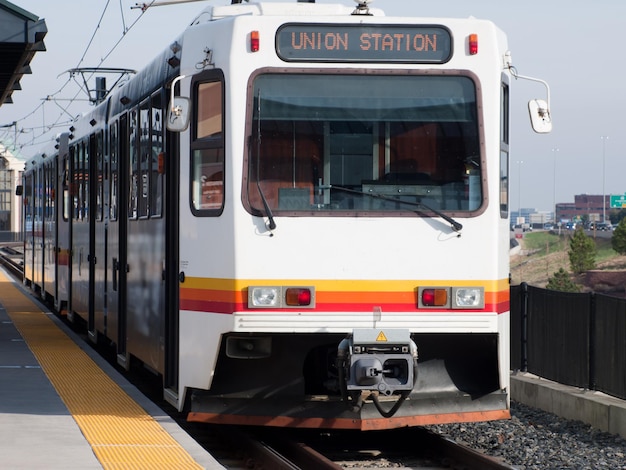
[231, 307]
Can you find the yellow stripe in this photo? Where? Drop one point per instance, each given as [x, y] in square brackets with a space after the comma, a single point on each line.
[341, 285]
[119, 431]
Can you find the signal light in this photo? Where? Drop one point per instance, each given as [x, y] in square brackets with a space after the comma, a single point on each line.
[297, 296]
[434, 297]
[254, 41]
[441, 297]
[281, 297]
[473, 44]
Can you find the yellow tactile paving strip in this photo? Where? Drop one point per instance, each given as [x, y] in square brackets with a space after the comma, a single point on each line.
[119, 431]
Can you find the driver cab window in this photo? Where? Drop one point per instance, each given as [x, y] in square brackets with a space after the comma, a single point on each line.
[381, 144]
[207, 146]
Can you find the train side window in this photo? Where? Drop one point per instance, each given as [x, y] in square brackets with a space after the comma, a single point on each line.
[99, 176]
[45, 174]
[74, 182]
[51, 192]
[133, 170]
[113, 168]
[145, 159]
[67, 193]
[207, 145]
[85, 179]
[504, 151]
[28, 201]
[81, 178]
[157, 154]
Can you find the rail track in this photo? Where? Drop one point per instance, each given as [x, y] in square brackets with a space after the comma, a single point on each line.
[280, 449]
[308, 449]
[12, 258]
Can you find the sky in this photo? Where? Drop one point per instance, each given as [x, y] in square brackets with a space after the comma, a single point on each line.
[576, 46]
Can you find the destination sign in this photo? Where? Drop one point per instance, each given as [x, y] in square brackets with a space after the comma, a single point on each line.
[363, 43]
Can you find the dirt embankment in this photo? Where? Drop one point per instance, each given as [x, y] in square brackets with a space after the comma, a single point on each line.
[609, 277]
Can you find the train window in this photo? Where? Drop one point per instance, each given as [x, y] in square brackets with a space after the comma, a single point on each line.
[157, 154]
[504, 114]
[145, 159]
[133, 172]
[504, 151]
[208, 179]
[28, 202]
[209, 110]
[48, 184]
[99, 176]
[67, 198]
[5, 199]
[113, 168]
[82, 181]
[207, 166]
[376, 143]
[74, 188]
[86, 179]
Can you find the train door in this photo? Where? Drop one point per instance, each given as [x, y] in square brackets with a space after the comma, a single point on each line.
[81, 237]
[145, 306]
[172, 164]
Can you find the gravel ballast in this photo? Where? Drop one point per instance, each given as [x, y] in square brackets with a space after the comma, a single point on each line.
[535, 440]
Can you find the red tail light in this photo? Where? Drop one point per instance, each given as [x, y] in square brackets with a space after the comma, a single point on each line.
[473, 44]
[254, 41]
[297, 296]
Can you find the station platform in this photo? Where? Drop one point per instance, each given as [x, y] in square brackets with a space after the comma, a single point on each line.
[599, 410]
[64, 407]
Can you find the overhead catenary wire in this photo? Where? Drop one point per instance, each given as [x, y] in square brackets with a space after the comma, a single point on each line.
[36, 137]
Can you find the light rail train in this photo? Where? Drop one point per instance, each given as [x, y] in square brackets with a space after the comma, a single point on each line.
[297, 215]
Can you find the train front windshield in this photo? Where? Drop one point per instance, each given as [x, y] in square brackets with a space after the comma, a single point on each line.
[364, 143]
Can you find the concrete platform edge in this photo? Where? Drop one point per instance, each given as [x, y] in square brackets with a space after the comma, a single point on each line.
[597, 409]
[197, 452]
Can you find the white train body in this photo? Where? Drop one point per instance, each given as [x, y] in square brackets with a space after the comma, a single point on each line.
[325, 244]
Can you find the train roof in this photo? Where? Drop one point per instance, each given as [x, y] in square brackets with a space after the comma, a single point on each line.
[293, 8]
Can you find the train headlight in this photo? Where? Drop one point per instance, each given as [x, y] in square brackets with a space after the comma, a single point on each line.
[298, 296]
[468, 297]
[442, 297]
[281, 297]
[264, 296]
[434, 297]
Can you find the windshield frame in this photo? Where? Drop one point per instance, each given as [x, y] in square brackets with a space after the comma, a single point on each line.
[407, 210]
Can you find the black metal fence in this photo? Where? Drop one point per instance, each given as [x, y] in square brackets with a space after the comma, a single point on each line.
[573, 339]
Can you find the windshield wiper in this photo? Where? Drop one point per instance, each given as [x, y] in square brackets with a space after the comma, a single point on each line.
[456, 226]
[270, 217]
[268, 212]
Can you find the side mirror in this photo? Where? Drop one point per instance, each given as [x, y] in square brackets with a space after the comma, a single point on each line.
[178, 114]
[19, 190]
[540, 116]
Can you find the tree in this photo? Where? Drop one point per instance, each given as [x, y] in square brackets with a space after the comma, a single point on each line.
[582, 252]
[562, 281]
[618, 240]
[617, 216]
